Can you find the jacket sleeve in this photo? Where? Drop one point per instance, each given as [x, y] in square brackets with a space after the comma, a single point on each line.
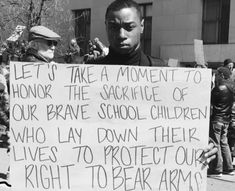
[157, 62]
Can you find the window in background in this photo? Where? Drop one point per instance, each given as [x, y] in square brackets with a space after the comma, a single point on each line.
[82, 28]
[146, 39]
[215, 23]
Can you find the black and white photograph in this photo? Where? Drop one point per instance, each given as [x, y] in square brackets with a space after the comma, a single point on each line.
[117, 95]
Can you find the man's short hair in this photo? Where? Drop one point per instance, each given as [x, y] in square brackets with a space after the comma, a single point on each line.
[120, 4]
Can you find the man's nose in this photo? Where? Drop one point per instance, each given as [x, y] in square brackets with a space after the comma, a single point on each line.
[122, 33]
[52, 47]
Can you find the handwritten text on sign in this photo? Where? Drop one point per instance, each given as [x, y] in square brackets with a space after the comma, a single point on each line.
[87, 127]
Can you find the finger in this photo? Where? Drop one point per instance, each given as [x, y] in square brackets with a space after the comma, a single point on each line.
[94, 47]
[211, 151]
[96, 54]
[206, 161]
[209, 147]
[99, 47]
[208, 154]
[90, 44]
[88, 57]
[210, 158]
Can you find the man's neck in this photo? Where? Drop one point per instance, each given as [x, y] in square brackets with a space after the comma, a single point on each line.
[131, 58]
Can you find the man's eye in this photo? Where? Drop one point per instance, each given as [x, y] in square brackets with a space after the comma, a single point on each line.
[129, 27]
[113, 27]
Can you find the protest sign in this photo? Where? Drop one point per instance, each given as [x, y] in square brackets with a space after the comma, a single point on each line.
[16, 33]
[99, 127]
[173, 62]
[199, 52]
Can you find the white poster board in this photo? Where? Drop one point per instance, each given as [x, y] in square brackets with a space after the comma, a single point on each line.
[173, 62]
[16, 33]
[99, 127]
[199, 52]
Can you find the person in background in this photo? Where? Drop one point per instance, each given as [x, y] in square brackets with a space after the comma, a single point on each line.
[42, 43]
[3, 48]
[124, 26]
[97, 51]
[231, 129]
[221, 100]
[4, 120]
[228, 63]
[4, 104]
[6, 54]
[73, 54]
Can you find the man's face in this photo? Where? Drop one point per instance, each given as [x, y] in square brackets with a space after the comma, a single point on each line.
[230, 66]
[124, 29]
[46, 48]
[73, 42]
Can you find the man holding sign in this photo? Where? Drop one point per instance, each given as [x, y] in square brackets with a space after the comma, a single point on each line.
[124, 26]
[90, 127]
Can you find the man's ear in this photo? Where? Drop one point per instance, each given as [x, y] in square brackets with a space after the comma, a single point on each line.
[142, 26]
[106, 26]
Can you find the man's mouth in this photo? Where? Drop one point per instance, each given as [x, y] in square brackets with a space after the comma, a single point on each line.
[123, 45]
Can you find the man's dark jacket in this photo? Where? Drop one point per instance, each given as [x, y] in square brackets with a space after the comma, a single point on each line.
[222, 97]
[32, 55]
[136, 58]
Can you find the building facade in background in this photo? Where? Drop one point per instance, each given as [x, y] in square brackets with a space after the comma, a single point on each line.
[170, 27]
